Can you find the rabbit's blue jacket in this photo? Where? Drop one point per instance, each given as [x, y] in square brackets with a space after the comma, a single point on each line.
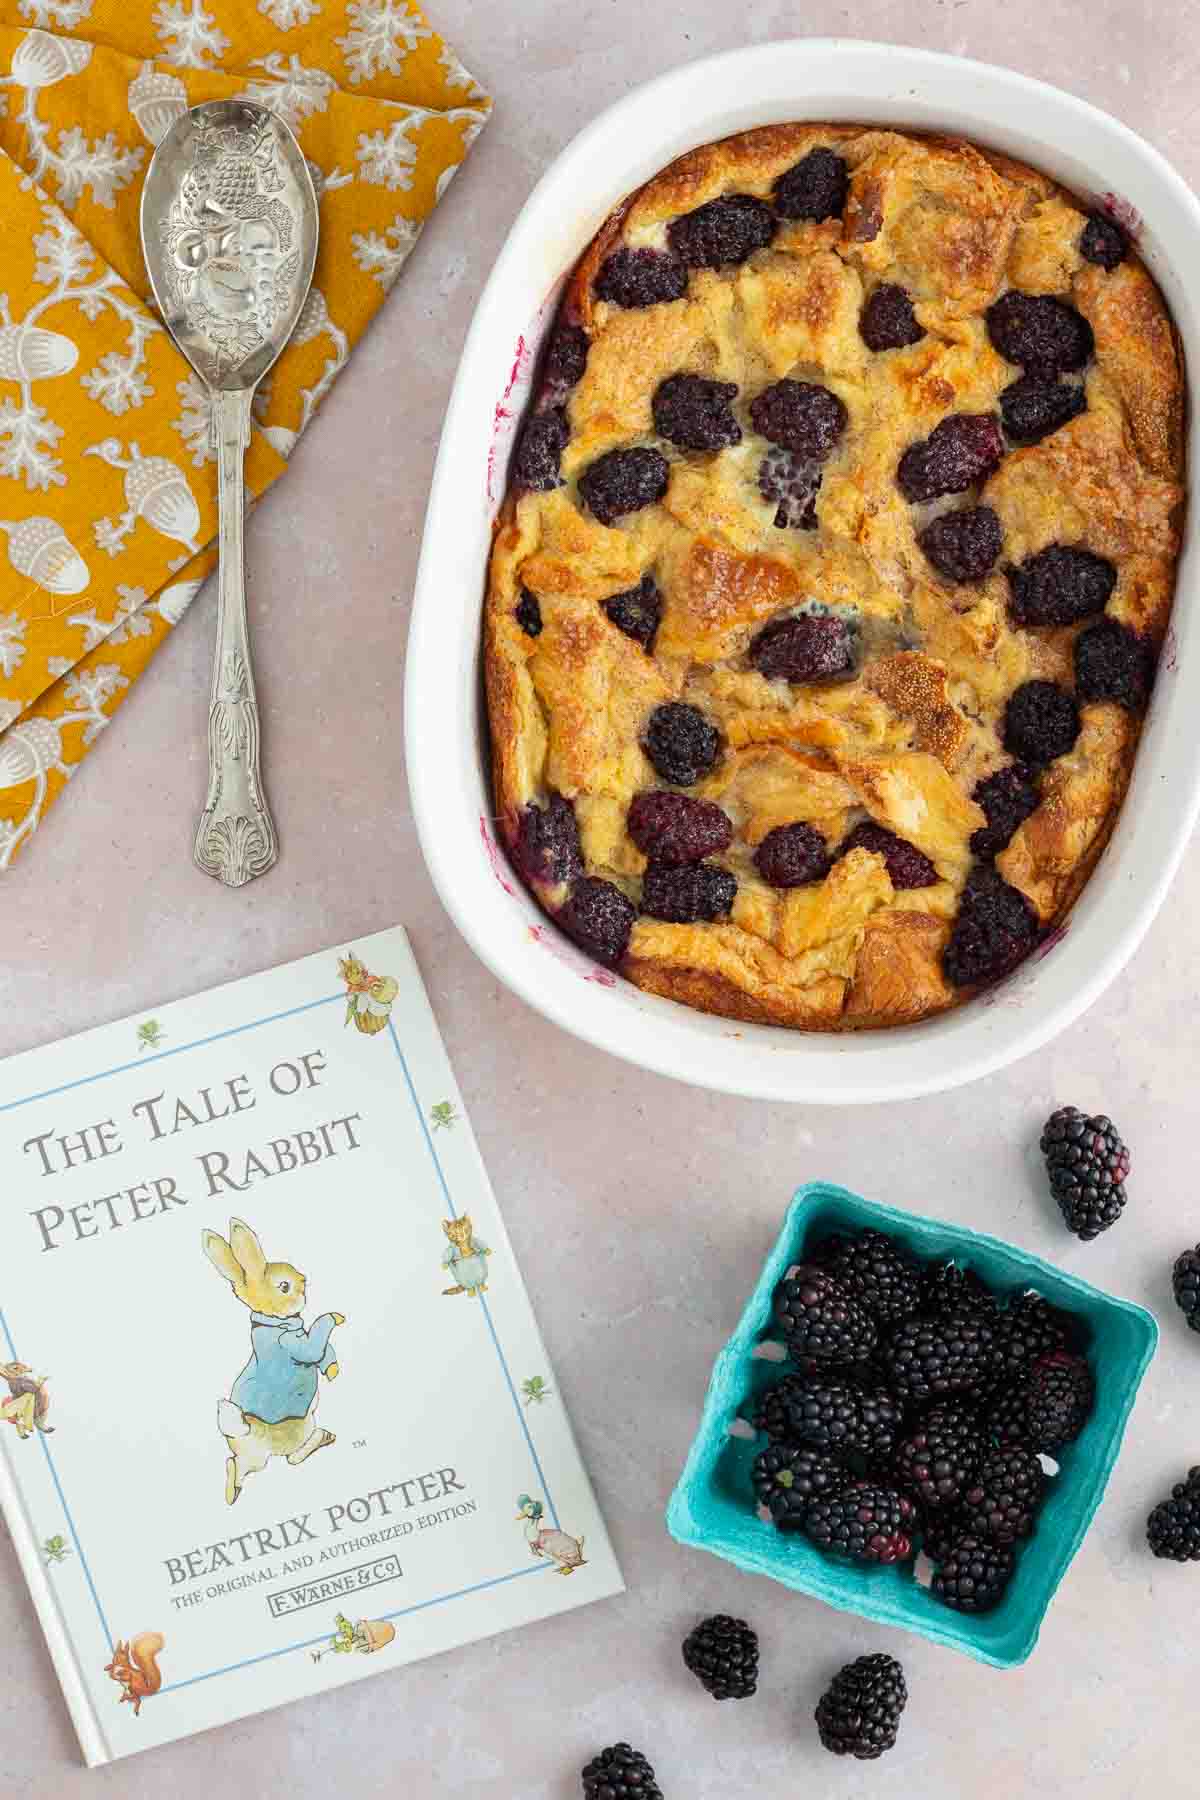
[280, 1380]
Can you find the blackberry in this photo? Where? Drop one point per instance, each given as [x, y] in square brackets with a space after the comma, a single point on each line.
[817, 1317]
[859, 1714]
[887, 321]
[1113, 663]
[620, 1773]
[722, 231]
[973, 1575]
[937, 1460]
[723, 1655]
[681, 896]
[1007, 1419]
[865, 1522]
[1087, 1164]
[963, 545]
[640, 278]
[816, 1410]
[792, 856]
[946, 1287]
[547, 847]
[673, 828]
[623, 481]
[792, 483]
[960, 451]
[636, 611]
[809, 647]
[1028, 1329]
[1007, 798]
[907, 866]
[600, 918]
[1185, 1282]
[872, 1268]
[814, 188]
[693, 412]
[528, 614]
[1032, 407]
[1058, 1400]
[994, 929]
[681, 743]
[800, 416]
[566, 360]
[955, 1354]
[1041, 722]
[1044, 336]
[1059, 586]
[941, 1529]
[787, 1479]
[1103, 242]
[540, 450]
[1004, 1494]
[1173, 1528]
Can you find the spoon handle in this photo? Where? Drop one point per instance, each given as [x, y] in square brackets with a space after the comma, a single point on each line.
[235, 839]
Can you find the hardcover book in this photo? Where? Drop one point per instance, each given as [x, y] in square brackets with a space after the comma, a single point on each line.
[274, 1410]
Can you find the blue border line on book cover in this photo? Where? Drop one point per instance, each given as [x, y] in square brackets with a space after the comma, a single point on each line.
[420, 1606]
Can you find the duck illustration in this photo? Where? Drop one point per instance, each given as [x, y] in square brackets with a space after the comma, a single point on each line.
[556, 1546]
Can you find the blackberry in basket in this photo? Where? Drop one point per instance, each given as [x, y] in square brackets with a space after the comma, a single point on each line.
[865, 1522]
[818, 1318]
[875, 1271]
[1004, 1495]
[973, 1575]
[1058, 1400]
[937, 1459]
[787, 1479]
[830, 1412]
[955, 1354]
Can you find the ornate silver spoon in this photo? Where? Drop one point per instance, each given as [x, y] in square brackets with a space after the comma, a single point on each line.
[229, 234]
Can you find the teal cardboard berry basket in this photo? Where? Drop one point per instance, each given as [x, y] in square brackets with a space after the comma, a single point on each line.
[713, 1505]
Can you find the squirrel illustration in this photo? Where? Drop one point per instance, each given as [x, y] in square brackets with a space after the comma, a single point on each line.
[28, 1399]
[135, 1667]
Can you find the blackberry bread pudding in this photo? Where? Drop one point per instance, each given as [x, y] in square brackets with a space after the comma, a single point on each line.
[838, 552]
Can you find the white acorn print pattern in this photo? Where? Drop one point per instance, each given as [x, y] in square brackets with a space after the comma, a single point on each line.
[107, 475]
[155, 490]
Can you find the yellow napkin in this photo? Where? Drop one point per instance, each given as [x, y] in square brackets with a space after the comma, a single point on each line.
[107, 478]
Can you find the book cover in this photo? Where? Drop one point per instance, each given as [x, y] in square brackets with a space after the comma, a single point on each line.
[274, 1410]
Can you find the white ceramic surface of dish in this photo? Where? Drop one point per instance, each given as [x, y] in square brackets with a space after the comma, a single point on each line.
[1090, 153]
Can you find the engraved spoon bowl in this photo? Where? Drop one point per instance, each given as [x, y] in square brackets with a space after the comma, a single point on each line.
[229, 233]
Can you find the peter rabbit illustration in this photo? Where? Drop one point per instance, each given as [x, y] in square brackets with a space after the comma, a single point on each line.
[271, 1409]
[28, 1401]
[466, 1257]
[368, 997]
[135, 1667]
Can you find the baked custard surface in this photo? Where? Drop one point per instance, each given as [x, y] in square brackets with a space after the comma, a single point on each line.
[838, 550]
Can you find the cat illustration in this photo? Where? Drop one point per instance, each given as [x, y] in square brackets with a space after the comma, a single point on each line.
[368, 997]
[466, 1257]
[271, 1410]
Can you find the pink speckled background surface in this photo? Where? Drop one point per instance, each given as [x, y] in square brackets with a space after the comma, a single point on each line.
[640, 1209]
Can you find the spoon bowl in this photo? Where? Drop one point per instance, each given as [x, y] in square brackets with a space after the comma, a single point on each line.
[229, 233]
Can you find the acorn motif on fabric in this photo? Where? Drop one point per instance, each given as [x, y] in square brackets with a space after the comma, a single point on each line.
[30, 352]
[39, 548]
[28, 750]
[155, 490]
[40, 59]
[156, 100]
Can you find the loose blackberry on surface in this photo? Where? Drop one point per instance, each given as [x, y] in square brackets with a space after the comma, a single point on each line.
[1173, 1528]
[859, 1713]
[1004, 1495]
[620, 1773]
[865, 1522]
[723, 1655]
[1086, 1163]
[973, 1574]
[1185, 1283]
[818, 1318]
[787, 1478]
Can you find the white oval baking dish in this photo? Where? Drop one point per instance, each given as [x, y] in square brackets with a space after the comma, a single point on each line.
[1088, 152]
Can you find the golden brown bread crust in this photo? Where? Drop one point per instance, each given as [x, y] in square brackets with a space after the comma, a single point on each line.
[906, 742]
